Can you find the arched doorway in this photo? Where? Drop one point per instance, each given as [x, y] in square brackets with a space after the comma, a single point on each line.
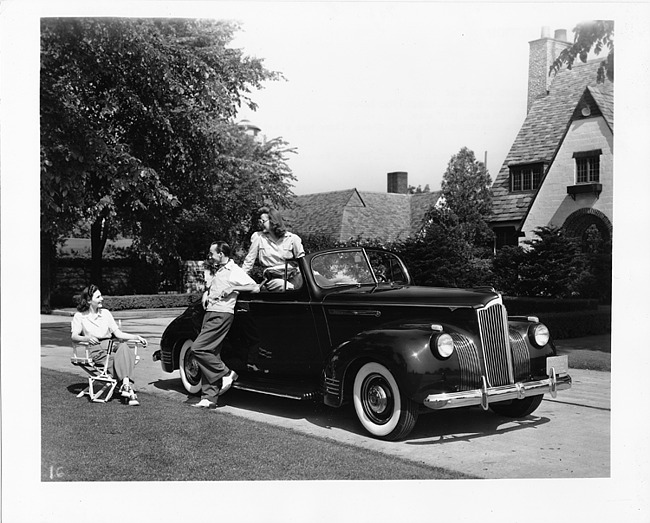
[594, 230]
[578, 223]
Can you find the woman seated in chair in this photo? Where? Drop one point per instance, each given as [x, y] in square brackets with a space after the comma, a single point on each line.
[272, 246]
[93, 324]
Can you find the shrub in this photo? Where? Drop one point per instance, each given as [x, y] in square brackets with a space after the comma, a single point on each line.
[576, 324]
[149, 301]
[551, 265]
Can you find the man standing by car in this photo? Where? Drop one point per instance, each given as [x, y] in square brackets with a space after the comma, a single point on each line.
[222, 287]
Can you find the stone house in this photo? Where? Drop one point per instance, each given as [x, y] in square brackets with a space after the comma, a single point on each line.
[559, 170]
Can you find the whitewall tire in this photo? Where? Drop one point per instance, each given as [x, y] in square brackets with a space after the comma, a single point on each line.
[379, 404]
[189, 369]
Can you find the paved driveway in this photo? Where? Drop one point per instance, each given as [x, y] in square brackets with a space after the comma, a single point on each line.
[567, 437]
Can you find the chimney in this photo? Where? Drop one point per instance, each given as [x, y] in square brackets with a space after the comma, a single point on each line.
[398, 182]
[542, 54]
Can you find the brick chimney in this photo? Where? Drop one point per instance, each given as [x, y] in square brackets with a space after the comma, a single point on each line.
[398, 182]
[542, 54]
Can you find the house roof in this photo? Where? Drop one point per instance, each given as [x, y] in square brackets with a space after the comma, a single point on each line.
[542, 133]
[321, 213]
[603, 95]
[350, 214]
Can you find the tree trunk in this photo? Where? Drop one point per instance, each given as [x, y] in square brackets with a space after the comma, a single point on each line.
[97, 243]
[47, 255]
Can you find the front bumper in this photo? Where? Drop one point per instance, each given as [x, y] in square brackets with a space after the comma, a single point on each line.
[486, 395]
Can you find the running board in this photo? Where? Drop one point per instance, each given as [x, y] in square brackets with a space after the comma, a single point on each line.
[279, 390]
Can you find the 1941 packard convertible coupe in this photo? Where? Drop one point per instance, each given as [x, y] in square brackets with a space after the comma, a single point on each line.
[355, 329]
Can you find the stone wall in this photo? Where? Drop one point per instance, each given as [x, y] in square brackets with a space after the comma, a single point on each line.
[193, 280]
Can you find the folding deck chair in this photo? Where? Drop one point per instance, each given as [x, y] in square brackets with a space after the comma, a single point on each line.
[100, 383]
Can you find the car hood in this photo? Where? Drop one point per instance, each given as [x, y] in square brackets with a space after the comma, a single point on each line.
[413, 295]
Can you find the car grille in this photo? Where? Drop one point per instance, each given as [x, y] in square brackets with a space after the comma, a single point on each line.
[493, 321]
[520, 356]
[469, 362]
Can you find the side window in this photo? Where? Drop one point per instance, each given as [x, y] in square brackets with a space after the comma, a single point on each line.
[387, 267]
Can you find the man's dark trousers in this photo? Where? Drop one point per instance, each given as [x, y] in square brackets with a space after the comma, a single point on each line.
[207, 351]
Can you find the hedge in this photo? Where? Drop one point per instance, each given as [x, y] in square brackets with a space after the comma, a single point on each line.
[564, 325]
[517, 305]
[149, 301]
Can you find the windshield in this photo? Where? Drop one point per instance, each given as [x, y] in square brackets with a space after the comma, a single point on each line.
[351, 268]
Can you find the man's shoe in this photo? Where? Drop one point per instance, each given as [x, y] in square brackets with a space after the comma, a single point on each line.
[227, 381]
[205, 404]
[133, 402]
[254, 368]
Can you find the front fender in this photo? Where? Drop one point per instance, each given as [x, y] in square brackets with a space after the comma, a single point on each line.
[520, 330]
[186, 326]
[405, 352]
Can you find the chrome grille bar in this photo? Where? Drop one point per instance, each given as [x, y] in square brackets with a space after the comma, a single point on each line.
[493, 327]
[469, 362]
[520, 356]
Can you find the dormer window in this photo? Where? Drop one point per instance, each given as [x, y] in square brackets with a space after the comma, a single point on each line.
[587, 166]
[525, 177]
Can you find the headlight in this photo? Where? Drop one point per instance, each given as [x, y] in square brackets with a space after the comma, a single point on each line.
[444, 345]
[539, 335]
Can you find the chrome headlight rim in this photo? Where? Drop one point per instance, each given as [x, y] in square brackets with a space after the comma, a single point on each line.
[442, 345]
[539, 335]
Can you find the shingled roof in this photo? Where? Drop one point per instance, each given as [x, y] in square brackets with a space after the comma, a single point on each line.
[342, 215]
[542, 133]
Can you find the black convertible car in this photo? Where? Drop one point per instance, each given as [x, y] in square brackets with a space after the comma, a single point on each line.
[355, 329]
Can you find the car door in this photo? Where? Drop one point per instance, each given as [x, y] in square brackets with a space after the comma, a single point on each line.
[281, 331]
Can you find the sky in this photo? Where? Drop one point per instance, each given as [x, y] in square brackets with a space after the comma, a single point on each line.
[378, 87]
[375, 87]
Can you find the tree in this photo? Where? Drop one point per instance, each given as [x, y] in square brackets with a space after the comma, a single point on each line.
[466, 193]
[418, 190]
[593, 35]
[442, 256]
[137, 131]
[453, 248]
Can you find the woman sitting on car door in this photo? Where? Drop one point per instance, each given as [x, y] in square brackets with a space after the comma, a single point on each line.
[272, 246]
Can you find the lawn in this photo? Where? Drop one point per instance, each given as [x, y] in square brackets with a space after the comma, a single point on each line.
[170, 441]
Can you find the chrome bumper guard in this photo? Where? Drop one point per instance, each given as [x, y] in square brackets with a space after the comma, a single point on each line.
[484, 396]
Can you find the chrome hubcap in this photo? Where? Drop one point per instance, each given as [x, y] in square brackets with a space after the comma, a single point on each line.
[377, 399]
[191, 369]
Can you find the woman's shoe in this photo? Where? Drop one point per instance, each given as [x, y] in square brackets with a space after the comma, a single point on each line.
[125, 391]
[133, 401]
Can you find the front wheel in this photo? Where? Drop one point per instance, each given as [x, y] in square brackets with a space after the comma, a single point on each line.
[189, 369]
[379, 405]
[518, 408]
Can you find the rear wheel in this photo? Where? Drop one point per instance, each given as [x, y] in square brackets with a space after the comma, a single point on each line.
[189, 369]
[379, 405]
[518, 408]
